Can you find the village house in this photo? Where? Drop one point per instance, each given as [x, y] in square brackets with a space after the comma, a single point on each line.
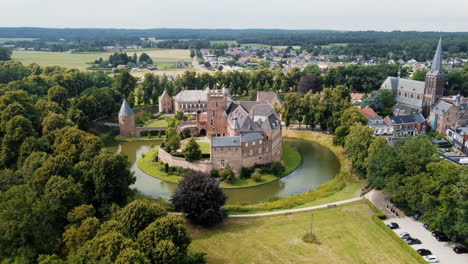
[405, 125]
[459, 138]
[381, 128]
[445, 115]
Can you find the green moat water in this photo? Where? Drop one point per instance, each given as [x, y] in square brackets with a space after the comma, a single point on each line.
[319, 165]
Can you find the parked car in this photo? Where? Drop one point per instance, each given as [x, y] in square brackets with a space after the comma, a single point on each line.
[431, 259]
[460, 249]
[426, 225]
[424, 252]
[393, 226]
[405, 235]
[442, 238]
[436, 233]
[413, 241]
[416, 216]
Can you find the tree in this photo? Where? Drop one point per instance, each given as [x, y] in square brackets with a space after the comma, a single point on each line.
[200, 198]
[420, 75]
[165, 240]
[145, 58]
[310, 83]
[138, 214]
[256, 175]
[356, 146]
[350, 117]
[125, 84]
[227, 174]
[76, 237]
[8, 179]
[312, 69]
[5, 54]
[54, 121]
[50, 259]
[192, 150]
[130, 255]
[59, 95]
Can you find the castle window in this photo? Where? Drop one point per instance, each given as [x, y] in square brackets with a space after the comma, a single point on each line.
[253, 143]
[251, 152]
[246, 144]
[266, 149]
[211, 121]
[259, 150]
[260, 142]
[222, 163]
[216, 104]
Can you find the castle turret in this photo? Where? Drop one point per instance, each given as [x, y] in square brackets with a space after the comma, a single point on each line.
[165, 103]
[126, 120]
[435, 79]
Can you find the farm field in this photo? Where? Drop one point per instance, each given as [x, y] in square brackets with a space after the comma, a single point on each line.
[163, 58]
[3, 40]
[347, 235]
[251, 45]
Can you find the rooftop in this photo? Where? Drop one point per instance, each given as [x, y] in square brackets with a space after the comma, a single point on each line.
[234, 141]
[125, 109]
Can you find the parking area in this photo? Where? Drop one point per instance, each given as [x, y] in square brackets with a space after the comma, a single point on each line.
[442, 250]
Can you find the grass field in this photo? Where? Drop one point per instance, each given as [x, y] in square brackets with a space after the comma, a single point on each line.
[3, 40]
[163, 58]
[347, 235]
[157, 123]
[291, 156]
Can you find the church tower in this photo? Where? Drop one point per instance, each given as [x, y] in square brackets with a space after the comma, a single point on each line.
[435, 80]
[126, 120]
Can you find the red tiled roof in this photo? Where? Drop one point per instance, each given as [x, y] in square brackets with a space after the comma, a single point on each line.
[368, 112]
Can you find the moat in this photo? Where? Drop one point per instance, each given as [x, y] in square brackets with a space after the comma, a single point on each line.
[319, 165]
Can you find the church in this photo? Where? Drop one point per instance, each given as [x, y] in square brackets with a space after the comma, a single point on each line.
[416, 96]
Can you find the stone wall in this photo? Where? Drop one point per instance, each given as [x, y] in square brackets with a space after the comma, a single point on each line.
[223, 156]
[164, 157]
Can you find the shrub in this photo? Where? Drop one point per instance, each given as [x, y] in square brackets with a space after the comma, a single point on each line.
[192, 150]
[214, 173]
[227, 174]
[245, 173]
[257, 176]
[277, 168]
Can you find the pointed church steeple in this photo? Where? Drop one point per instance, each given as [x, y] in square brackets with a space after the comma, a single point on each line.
[436, 67]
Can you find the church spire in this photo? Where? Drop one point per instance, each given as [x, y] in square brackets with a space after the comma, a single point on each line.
[436, 67]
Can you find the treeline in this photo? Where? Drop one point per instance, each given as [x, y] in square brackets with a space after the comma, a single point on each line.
[414, 176]
[63, 197]
[419, 49]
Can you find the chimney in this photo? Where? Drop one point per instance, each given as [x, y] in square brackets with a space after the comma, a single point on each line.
[457, 100]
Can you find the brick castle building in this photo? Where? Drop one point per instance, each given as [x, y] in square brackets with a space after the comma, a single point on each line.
[242, 133]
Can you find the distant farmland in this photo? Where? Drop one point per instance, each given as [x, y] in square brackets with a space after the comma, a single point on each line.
[163, 58]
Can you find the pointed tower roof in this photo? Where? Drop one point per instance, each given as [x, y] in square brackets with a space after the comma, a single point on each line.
[164, 94]
[125, 109]
[436, 67]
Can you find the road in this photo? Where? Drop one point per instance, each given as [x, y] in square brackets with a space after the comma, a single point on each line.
[197, 65]
[290, 211]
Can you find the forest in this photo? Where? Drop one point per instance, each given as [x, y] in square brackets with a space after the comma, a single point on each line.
[371, 44]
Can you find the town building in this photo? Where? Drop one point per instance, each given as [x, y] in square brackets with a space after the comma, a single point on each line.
[445, 115]
[459, 138]
[271, 98]
[381, 128]
[416, 96]
[405, 125]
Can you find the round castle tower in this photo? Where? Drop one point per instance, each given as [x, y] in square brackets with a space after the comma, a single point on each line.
[126, 120]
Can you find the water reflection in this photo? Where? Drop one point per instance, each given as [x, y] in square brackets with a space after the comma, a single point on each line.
[318, 166]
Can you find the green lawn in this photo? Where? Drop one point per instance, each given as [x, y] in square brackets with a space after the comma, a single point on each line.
[291, 157]
[157, 123]
[163, 58]
[347, 235]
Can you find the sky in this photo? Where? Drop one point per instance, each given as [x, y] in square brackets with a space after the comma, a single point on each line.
[384, 15]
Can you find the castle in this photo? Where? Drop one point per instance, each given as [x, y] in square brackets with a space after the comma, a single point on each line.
[416, 96]
[242, 133]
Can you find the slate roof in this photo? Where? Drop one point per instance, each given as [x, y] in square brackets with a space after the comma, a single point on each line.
[401, 109]
[436, 67]
[234, 141]
[406, 85]
[125, 109]
[251, 137]
[191, 96]
[407, 119]
[253, 116]
[441, 107]
[267, 96]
